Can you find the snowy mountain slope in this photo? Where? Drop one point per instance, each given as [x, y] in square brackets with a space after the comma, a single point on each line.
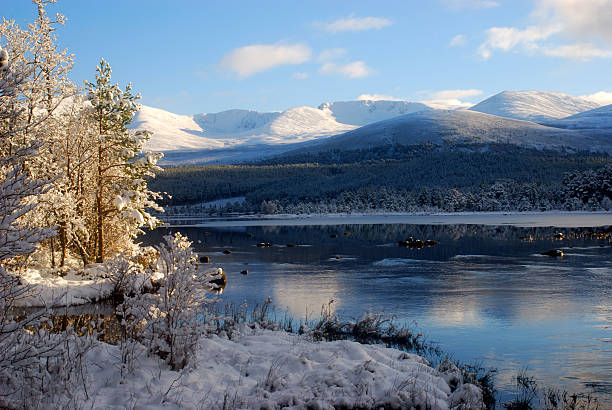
[365, 112]
[537, 106]
[440, 126]
[171, 131]
[240, 128]
[597, 119]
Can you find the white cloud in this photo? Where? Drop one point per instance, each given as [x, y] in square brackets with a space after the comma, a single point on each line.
[454, 94]
[331, 54]
[458, 41]
[356, 69]
[377, 97]
[582, 18]
[300, 75]
[507, 38]
[249, 60]
[578, 52]
[450, 99]
[587, 23]
[352, 23]
[475, 4]
[600, 97]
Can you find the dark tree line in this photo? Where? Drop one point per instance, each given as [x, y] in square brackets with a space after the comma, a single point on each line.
[399, 178]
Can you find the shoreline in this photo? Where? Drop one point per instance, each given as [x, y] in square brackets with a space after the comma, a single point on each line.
[559, 219]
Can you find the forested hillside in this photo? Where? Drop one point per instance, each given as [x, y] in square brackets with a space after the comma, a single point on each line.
[400, 178]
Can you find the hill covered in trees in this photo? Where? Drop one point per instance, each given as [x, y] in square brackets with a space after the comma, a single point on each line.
[391, 178]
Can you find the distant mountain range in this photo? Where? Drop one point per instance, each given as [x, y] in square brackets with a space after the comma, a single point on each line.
[540, 119]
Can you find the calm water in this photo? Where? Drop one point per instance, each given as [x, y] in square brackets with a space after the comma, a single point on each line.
[483, 293]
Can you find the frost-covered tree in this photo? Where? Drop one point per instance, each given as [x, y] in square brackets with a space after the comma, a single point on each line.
[121, 168]
[41, 72]
[172, 319]
[33, 364]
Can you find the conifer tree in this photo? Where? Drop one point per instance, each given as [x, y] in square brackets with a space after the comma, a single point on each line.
[121, 167]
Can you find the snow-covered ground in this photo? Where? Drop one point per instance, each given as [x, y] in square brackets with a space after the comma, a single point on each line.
[77, 287]
[273, 369]
[561, 219]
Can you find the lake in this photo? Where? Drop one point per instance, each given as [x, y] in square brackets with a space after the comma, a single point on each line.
[484, 293]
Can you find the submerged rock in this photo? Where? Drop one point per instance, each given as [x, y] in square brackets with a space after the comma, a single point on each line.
[245, 272]
[204, 259]
[227, 251]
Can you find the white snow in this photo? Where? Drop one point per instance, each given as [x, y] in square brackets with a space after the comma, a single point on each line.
[534, 105]
[599, 118]
[365, 112]
[273, 369]
[76, 288]
[234, 128]
[460, 126]
[242, 128]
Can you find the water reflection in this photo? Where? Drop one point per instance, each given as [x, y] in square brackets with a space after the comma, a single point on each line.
[484, 293]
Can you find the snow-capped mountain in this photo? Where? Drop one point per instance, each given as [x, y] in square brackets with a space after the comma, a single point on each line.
[463, 126]
[365, 112]
[244, 128]
[233, 128]
[597, 119]
[537, 106]
[239, 135]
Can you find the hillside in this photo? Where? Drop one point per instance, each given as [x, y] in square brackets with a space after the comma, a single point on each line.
[597, 119]
[442, 126]
[537, 106]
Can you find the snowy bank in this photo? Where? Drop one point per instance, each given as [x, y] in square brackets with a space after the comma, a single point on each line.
[76, 287]
[272, 369]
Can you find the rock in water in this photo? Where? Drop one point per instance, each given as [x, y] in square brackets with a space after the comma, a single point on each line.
[553, 253]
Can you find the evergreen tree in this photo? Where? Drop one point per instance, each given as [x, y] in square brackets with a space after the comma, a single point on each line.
[121, 168]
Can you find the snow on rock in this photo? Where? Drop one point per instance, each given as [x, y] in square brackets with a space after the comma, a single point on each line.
[274, 369]
[535, 106]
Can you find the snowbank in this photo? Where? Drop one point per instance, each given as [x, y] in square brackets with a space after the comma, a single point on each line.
[273, 369]
[76, 288]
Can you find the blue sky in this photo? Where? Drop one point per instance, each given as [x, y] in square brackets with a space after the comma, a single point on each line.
[193, 56]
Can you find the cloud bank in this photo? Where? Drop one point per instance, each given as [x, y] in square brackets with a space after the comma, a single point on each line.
[587, 24]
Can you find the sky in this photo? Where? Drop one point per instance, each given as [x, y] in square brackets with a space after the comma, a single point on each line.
[195, 56]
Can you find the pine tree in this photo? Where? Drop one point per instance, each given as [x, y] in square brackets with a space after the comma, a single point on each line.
[121, 192]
